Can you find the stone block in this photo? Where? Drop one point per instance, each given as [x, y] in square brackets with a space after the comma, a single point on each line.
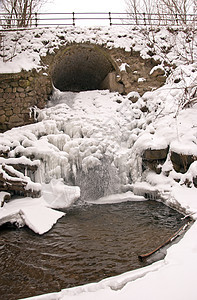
[2, 119]
[4, 85]
[22, 95]
[28, 89]
[16, 110]
[24, 83]
[8, 113]
[15, 119]
[8, 90]
[14, 84]
[32, 93]
[6, 96]
[20, 90]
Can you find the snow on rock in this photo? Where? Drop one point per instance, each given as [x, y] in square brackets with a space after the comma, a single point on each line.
[31, 212]
[13, 180]
[58, 195]
[123, 67]
[4, 196]
[23, 160]
[157, 71]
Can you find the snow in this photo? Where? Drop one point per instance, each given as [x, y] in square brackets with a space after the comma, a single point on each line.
[117, 198]
[155, 68]
[98, 130]
[31, 212]
[58, 195]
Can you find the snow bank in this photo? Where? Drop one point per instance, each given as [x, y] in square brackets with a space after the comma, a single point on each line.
[31, 212]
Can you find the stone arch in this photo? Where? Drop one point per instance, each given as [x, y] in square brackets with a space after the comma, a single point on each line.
[82, 67]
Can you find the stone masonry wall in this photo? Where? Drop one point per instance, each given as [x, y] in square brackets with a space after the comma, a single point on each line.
[18, 93]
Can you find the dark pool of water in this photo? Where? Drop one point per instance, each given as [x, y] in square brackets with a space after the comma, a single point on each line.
[90, 243]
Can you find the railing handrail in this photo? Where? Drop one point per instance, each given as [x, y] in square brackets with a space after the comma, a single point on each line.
[104, 13]
[114, 18]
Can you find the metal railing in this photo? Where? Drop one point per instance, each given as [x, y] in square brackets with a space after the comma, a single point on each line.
[9, 22]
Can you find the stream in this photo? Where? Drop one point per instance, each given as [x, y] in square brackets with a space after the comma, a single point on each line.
[90, 243]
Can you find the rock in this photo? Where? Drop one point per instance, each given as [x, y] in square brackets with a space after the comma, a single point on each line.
[133, 97]
[4, 196]
[195, 181]
[16, 120]
[153, 159]
[110, 82]
[2, 118]
[157, 71]
[158, 154]
[181, 162]
[24, 83]
[20, 90]
[14, 182]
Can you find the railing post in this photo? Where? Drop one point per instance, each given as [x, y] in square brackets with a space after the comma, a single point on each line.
[36, 19]
[176, 17]
[73, 19]
[110, 22]
[144, 18]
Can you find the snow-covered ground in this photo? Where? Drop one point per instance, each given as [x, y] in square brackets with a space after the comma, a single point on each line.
[82, 138]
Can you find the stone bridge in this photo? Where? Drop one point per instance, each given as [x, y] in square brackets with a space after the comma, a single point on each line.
[73, 66]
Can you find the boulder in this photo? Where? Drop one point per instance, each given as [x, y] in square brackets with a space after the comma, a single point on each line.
[181, 162]
[155, 154]
[154, 158]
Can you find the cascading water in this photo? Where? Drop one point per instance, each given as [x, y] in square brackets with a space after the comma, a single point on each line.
[87, 147]
[99, 181]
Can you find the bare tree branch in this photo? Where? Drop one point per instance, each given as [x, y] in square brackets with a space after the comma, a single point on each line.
[175, 10]
[21, 11]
